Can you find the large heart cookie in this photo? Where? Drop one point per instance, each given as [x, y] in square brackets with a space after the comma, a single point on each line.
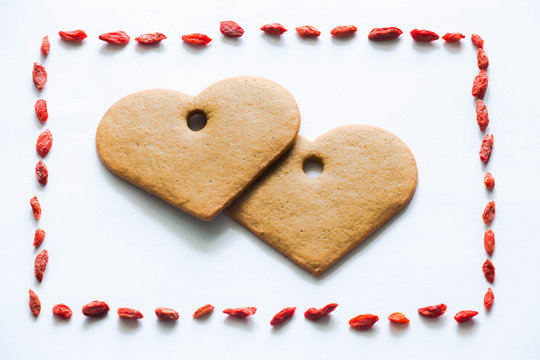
[145, 139]
[368, 175]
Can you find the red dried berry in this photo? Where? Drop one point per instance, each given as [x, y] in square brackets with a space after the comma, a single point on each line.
[489, 271]
[282, 316]
[42, 174]
[129, 314]
[240, 312]
[39, 75]
[486, 148]
[308, 31]
[196, 39]
[36, 207]
[387, 33]
[35, 304]
[480, 84]
[75, 35]
[275, 29]
[424, 35]
[95, 309]
[164, 313]
[363, 322]
[482, 59]
[477, 41]
[489, 298]
[44, 143]
[315, 314]
[115, 37]
[45, 46]
[231, 29]
[452, 37]
[343, 31]
[489, 181]
[432, 311]
[465, 315]
[40, 264]
[203, 311]
[150, 38]
[489, 242]
[489, 212]
[41, 110]
[482, 117]
[398, 318]
[62, 311]
[39, 236]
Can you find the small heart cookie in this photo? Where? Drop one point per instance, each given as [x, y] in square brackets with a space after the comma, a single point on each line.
[145, 139]
[368, 175]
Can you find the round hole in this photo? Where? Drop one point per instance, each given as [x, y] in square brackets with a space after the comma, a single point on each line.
[196, 121]
[313, 168]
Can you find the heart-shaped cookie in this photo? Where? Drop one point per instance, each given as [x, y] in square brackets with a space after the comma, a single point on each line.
[145, 139]
[368, 175]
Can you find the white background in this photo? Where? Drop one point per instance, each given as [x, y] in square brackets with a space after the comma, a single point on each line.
[108, 240]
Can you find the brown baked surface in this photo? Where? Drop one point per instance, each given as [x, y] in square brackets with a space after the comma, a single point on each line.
[144, 139]
[369, 174]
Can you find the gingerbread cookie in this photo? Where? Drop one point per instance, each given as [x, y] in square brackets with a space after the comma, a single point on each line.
[144, 138]
[368, 175]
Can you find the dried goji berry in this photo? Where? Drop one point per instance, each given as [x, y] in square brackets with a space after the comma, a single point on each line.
[489, 242]
[275, 29]
[317, 314]
[42, 173]
[363, 322]
[45, 46]
[196, 39]
[35, 304]
[424, 35]
[477, 41]
[115, 37]
[44, 143]
[240, 312]
[231, 29]
[41, 110]
[489, 212]
[164, 313]
[398, 318]
[95, 309]
[308, 31]
[489, 298]
[387, 33]
[480, 84]
[482, 59]
[465, 315]
[40, 264]
[451, 37]
[343, 31]
[39, 75]
[432, 311]
[489, 181]
[75, 35]
[130, 314]
[36, 207]
[489, 271]
[62, 311]
[282, 316]
[486, 148]
[203, 311]
[150, 38]
[39, 236]
[482, 117]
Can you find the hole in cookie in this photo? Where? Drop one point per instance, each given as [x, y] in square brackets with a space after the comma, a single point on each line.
[196, 120]
[313, 167]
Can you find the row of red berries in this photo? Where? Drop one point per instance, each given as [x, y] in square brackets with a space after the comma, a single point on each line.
[98, 309]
